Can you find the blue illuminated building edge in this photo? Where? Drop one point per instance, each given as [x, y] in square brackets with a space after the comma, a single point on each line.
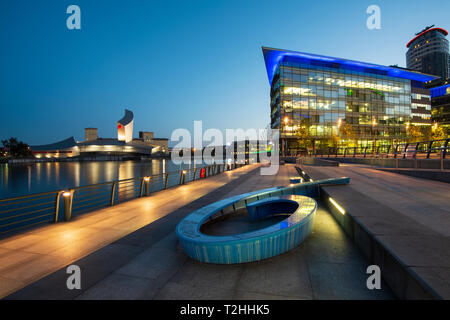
[274, 57]
[439, 91]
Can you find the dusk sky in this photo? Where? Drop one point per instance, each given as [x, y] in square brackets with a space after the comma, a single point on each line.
[173, 62]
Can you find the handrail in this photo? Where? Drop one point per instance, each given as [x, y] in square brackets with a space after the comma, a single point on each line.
[419, 149]
[23, 211]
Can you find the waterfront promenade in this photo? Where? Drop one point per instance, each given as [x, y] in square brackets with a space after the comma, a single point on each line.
[149, 263]
[32, 254]
[400, 223]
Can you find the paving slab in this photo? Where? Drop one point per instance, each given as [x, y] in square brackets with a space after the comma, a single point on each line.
[149, 263]
[400, 222]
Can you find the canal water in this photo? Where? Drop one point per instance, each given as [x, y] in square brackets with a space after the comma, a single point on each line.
[24, 179]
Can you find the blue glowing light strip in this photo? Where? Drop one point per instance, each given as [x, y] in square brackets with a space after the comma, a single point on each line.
[273, 57]
[439, 91]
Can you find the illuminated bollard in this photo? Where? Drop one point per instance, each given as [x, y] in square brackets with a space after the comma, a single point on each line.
[68, 197]
[183, 177]
[147, 185]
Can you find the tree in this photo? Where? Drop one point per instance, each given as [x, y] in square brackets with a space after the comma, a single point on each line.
[438, 132]
[345, 131]
[16, 148]
[303, 133]
[414, 133]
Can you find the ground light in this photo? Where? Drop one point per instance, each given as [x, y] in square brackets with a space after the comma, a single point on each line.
[341, 210]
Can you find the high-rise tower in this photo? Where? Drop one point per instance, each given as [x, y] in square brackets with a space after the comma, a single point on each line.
[428, 52]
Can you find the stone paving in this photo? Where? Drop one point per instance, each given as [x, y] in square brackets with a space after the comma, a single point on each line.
[149, 263]
[408, 217]
[33, 254]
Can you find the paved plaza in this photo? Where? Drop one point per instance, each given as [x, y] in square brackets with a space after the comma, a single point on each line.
[149, 263]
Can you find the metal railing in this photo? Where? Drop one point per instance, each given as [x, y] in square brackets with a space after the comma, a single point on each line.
[29, 210]
[434, 149]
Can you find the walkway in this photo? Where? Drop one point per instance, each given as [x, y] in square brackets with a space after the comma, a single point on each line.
[31, 255]
[149, 264]
[409, 217]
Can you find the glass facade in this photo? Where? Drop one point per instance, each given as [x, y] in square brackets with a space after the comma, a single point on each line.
[375, 109]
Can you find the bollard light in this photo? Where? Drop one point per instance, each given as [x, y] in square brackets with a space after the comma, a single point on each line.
[145, 186]
[183, 178]
[68, 197]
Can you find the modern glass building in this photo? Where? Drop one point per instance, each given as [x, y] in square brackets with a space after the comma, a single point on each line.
[319, 102]
[441, 106]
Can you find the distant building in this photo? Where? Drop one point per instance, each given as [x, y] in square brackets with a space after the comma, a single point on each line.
[428, 52]
[62, 149]
[146, 136]
[160, 145]
[109, 148]
[91, 134]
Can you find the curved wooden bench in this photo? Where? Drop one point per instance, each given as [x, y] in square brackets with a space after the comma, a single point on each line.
[256, 245]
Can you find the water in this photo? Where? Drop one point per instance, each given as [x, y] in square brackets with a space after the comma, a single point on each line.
[23, 179]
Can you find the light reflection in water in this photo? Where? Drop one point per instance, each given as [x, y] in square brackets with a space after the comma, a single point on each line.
[21, 179]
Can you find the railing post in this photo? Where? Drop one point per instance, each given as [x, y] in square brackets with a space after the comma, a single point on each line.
[404, 151]
[68, 199]
[430, 145]
[113, 192]
[167, 181]
[141, 190]
[445, 148]
[57, 201]
[195, 173]
[417, 148]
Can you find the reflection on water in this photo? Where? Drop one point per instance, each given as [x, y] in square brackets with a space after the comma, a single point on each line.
[22, 179]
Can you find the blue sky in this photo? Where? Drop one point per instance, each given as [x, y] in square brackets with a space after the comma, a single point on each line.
[173, 62]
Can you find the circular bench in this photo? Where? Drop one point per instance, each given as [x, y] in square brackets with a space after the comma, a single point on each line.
[251, 246]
